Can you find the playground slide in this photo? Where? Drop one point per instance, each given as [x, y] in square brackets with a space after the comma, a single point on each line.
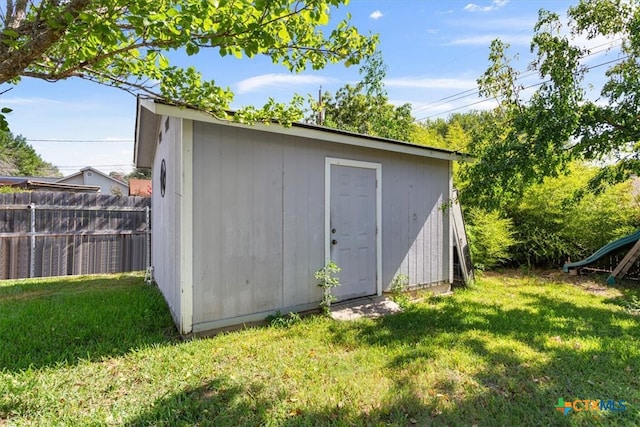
[603, 251]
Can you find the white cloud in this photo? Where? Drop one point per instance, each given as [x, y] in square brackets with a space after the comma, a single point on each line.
[495, 5]
[32, 101]
[524, 24]
[428, 83]
[269, 80]
[376, 14]
[485, 40]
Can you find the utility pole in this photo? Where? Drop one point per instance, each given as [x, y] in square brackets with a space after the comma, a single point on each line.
[320, 108]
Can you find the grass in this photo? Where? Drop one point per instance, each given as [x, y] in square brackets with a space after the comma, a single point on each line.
[103, 351]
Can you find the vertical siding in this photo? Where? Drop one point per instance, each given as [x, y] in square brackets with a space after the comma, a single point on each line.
[303, 220]
[237, 215]
[259, 219]
[208, 219]
[415, 227]
[165, 235]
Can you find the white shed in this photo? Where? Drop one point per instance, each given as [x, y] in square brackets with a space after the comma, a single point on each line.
[244, 215]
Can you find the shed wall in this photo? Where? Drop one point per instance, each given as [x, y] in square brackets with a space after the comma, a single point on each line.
[165, 221]
[259, 220]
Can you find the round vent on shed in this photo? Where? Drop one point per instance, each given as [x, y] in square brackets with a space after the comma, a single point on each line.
[163, 177]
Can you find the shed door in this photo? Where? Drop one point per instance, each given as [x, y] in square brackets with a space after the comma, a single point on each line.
[352, 231]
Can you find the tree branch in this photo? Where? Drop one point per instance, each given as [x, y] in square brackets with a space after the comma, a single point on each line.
[15, 13]
[14, 64]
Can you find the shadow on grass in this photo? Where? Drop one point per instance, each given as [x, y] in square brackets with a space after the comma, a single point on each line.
[63, 320]
[216, 403]
[222, 402]
[508, 388]
[540, 318]
[584, 353]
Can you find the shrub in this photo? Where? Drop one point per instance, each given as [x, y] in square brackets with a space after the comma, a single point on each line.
[552, 225]
[6, 189]
[327, 280]
[280, 320]
[398, 289]
[490, 238]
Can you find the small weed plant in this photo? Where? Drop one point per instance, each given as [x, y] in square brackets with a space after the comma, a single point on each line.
[327, 281]
[280, 320]
[398, 290]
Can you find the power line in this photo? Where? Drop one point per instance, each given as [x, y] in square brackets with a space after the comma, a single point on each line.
[527, 87]
[79, 140]
[455, 109]
[475, 91]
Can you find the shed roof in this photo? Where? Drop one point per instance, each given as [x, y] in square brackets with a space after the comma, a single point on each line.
[149, 112]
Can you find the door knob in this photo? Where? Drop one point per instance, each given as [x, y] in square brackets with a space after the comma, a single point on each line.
[334, 241]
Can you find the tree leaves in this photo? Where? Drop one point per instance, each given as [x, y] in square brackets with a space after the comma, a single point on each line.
[557, 123]
[364, 108]
[123, 43]
[20, 159]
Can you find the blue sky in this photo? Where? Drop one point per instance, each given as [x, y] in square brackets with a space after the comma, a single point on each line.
[433, 50]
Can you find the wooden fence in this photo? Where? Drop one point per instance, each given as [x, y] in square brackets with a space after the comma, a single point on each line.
[55, 234]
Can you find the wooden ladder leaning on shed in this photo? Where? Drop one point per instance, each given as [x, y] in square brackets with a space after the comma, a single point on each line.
[461, 243]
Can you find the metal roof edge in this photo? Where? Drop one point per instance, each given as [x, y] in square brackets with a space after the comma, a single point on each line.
[63, 185]
[143, 148]
[160, 108]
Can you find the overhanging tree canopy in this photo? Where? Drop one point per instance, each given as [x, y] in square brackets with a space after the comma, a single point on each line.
[122, 43]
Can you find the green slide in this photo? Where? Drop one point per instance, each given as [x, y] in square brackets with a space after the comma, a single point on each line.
[603, 251]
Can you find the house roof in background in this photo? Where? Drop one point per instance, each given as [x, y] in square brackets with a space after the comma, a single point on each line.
[8, 178]
[35, 184]
[90, 169]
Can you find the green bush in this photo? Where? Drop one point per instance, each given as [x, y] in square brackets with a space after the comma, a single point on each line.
[6, 189]
[490, 238]
[552, 225]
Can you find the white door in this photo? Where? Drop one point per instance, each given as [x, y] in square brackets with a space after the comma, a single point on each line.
[352, 229]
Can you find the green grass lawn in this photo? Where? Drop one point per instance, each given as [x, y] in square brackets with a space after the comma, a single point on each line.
[103, 351]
